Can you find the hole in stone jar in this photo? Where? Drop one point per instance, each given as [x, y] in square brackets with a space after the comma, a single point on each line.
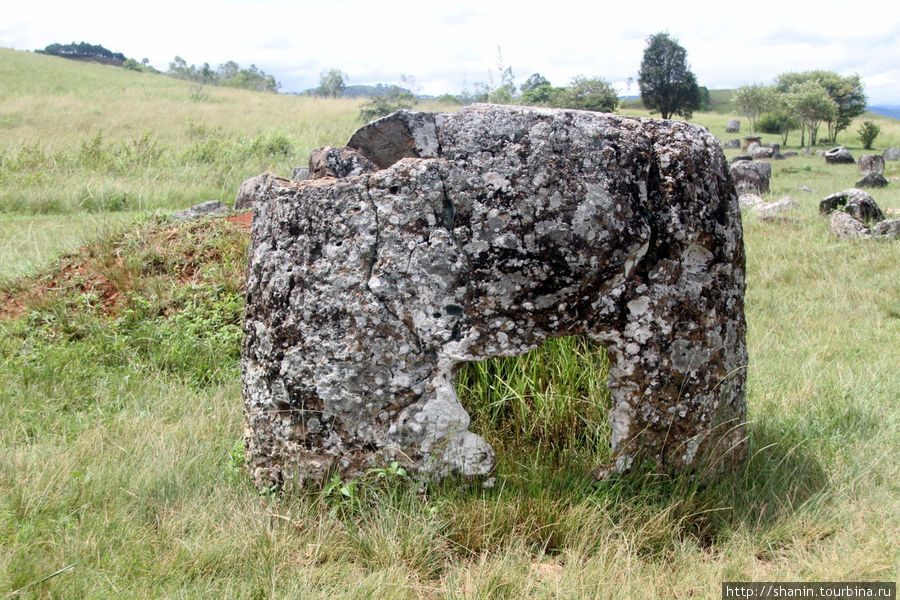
[549, 407]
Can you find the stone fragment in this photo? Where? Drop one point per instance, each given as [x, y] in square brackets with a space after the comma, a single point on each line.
[403, 134]
[855, 202]
[838, 155]
[775, 210]
[741, 157]
[213, 208]
[891, 154]
[751, 176]
[789, 154]
[366, 294]
[746, 201]
[872, 180]
[733, 143]
[253, 188]
[846, 227]
[759, 152]
[338, 162]
[300, 173]
[871, 163]
[733, 126]
[887, 230]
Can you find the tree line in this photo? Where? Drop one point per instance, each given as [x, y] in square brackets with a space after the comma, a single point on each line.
[805, 101]
[83, 50]
[229, 74]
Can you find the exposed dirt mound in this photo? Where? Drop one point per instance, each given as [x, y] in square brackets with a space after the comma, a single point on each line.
[154, 257]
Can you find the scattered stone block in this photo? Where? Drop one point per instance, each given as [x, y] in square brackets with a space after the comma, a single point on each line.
[887, 230]
[846, 227]
[751, 176]
[838, 155]
[855, 202]
[213, 208]
[733, 126]
[871, 163]
[254, 188]
[872, 180]
[891, 154]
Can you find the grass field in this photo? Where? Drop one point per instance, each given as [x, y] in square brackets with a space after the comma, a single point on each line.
[121, 465]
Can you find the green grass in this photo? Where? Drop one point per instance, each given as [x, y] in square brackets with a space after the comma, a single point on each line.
[121, 406]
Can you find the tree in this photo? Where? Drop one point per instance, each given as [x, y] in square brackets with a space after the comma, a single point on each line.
[332, 83]
[752, 101]
[534, 81]
[665, 81]
[591, 94]
[847, 93]
[868, 131]
[812, 105]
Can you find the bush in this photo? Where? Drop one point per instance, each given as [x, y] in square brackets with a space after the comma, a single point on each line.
[768, 123]
[868, 131]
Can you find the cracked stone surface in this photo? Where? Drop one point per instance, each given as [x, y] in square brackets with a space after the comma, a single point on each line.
[483, 233]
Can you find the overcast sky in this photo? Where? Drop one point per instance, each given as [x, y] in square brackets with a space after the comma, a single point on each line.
[450, 45]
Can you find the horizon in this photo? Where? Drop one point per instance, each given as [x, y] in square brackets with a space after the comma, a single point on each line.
[447, 49]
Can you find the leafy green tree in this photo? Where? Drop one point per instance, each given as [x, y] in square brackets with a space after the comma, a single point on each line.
[847, 93]
[332, 83]
[752, 101]
[812, 105]
[534, 81]
[868, 131]
[591, 94]
[544, 95]
[665, 81]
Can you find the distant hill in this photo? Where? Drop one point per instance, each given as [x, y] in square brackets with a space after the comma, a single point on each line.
[889, 110]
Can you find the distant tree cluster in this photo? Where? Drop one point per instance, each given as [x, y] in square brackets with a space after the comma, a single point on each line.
[229, 74]
[803, 101]
[84, 51]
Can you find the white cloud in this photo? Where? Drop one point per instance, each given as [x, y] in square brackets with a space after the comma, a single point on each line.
[449, 43]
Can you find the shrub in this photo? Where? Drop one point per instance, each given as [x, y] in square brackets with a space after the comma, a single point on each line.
[768, 123]
[868, 131]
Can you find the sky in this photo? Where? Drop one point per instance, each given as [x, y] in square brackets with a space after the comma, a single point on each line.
[451, 45]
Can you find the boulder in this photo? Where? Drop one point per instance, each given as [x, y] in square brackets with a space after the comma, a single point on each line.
[746, 201]
[253, 188]
[733, 126]
[775, 210]
[751, 176]
[366, 294]
[872, 180]
[871, 163]
[752, 147]
[855, 202]
[213, 208]
[300, 173]
[887, 230]
[338, 162]
[891, 154]
[760, 152]
[733, 143]
[741, 157]
[846, 227]
[838, 155]
[750, 139]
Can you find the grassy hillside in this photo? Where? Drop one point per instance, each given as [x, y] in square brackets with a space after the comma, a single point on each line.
[121, 463]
